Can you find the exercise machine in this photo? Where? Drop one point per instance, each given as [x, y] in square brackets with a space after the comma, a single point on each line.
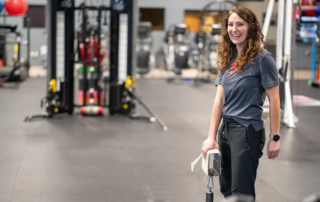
[315, 63]
[61, 60]
[208, 38]
[176, 49]
[17, 69]
[212, 48]
[283, 56]
[90, 53]
[308, 28]
[144, 55]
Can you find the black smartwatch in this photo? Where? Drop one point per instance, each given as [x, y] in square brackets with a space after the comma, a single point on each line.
[275, 138]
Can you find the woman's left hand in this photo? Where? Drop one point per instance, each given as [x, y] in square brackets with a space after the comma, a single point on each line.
[273, 149]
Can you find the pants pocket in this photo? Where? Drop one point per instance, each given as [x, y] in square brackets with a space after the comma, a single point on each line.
[240, 132]
[256, 141]
[238, 141]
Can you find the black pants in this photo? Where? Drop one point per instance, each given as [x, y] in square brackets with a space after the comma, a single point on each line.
[241, 147]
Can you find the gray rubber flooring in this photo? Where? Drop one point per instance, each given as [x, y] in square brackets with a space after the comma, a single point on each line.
[116, 159]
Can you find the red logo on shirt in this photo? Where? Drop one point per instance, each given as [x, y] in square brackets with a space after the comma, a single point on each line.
[233, 68]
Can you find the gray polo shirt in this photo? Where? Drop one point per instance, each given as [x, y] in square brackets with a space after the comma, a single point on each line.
[245, 91]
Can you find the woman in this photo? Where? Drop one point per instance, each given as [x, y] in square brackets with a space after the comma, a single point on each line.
[247, 74]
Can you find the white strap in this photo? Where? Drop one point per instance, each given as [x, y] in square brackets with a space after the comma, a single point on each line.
[195, 162]
[204, 160]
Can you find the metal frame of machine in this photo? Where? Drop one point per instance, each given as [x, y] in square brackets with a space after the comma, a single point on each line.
[144, 54]
[61, 59]
[176, 49]
[283, 59]
[201, 37]
[19, 70]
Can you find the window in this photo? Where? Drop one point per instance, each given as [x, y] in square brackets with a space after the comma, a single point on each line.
[192, 19]
[37, 16]
[153, 15]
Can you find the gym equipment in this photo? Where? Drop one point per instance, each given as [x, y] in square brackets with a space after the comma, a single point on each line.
[92, 38]
[60, 92]
[176, 49]
[283, 56]
[16, 7]
[144, 48]
[308, 31]
[207, 42]
[61, 58]
[309, 28]
[315, 63]
[211, 166]
[309, 7]
[90, 51]
[17, 69]
[212, 51]
[91, 110]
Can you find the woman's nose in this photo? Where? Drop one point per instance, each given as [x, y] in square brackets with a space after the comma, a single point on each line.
[234, 28]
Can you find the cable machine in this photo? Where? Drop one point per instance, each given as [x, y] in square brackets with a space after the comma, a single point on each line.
[61, 60]
[283, 55]
[18, 70]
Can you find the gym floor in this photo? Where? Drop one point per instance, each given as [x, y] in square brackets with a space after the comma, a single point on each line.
[116, 159]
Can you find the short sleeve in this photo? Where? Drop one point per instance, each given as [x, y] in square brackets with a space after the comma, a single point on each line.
[219, 79]
[268, 71]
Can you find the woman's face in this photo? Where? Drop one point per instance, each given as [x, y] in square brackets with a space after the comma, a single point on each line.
[237, 30]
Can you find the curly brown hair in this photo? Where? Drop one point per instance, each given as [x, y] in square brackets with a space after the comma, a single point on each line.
[227, 50]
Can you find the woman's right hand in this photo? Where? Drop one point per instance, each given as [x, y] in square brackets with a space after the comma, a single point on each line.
[209, 143]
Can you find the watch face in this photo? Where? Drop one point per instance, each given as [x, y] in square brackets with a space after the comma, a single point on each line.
[276, 137]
